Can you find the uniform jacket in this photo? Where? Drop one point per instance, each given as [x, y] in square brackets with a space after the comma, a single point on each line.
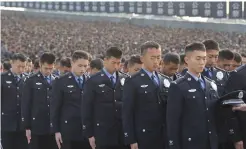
[66, 102]
[143, 114]
[191, 114]
[36, 104]
[101, 109]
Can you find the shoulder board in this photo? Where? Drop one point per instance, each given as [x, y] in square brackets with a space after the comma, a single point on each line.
[179, 80]
[125, 74]
[208, 79]
[4, 73]
[241, 68]
[219, 69]
[164, 75]
[136, 75]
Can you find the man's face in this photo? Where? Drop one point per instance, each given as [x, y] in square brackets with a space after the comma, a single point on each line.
[225, 64]
[93, 71]
[64, 69]
[112, 64]
[196, 61]
[243, 60]
[169, 69]
[151, 59]
[18, 67]
[134, 68]
[79, 67]
[29, 67]
[234, 65]
[46, 69]
[212, 58]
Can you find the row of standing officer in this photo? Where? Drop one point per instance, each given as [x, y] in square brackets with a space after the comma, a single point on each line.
[144, 104]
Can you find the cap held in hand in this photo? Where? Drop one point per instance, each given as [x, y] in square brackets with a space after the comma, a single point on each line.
[233, 98]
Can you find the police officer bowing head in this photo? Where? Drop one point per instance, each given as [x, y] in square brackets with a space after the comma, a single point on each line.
[143, 102]
[102, 104]
[66, 103]
[36, 104]
[13, 137]
[191, 105]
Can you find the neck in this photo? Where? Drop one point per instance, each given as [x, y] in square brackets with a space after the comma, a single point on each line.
[109, 71]
[147, 69]
[197, 74]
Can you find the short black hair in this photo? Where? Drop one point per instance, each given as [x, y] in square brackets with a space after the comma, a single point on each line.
[65, 62]
[48, 58]
[6, 65]
[243, 54]
[96, 63]
[126, 64]
[36, 64]
[134, 59]
[147, 45]
[237, 57]
[113, 52]
[123, 60]
[226, 54]
[80, 54]
[171, 58]
[211, 45]
[58, 61]
[196, 46]
[18, 56]
[90, 57]
[182, 59]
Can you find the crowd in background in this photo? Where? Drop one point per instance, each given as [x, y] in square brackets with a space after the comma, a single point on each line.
[32, 36]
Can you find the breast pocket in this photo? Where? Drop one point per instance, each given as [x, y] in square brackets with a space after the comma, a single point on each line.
[71, 93]
[105, 93]
[147, 94]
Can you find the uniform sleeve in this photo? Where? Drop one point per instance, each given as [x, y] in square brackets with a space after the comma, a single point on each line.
[174, 116]
[55, 106]
[234, 82]
[88, 108]
[26, 104]
[128, 99]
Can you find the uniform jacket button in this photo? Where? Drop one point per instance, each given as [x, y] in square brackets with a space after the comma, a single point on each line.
[189, 139]
[143, 130]
[33, 118]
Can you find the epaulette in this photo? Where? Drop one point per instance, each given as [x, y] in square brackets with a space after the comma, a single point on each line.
[137, 74]
[163, 75]
[127, 75]
[241, 68]
[4, 73]
[220, 69]
[209, 79]
[179, 80]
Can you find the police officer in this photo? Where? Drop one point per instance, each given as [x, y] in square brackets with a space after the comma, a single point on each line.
[96, 65]
[36, 105]
[101, 105]
[13, 137]
[218, 64]
[144, 97]
[134, 64]
[66, 105]
[237, 81]
[191, 105]
[170, 64]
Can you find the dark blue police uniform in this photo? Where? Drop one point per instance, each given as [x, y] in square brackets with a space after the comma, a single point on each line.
[65, 113]
[191, 110]
[13, 137]
[237, 81]
[101, 109]
[36, 110]
[144, 102]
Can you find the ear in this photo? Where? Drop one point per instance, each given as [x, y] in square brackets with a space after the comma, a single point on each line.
[142, 58]
[186, 58]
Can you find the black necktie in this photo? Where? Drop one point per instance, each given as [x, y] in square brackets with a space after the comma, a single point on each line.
[112, 81]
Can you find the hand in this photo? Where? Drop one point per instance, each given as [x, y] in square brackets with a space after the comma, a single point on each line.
[92, 142]
[134, 146]
[239, 145]
[241, 107]
[28, 135]
[58, 139]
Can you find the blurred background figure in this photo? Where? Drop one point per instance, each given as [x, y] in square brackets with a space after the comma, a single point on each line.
[65, 65]
[134, 64]
[96, 65]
